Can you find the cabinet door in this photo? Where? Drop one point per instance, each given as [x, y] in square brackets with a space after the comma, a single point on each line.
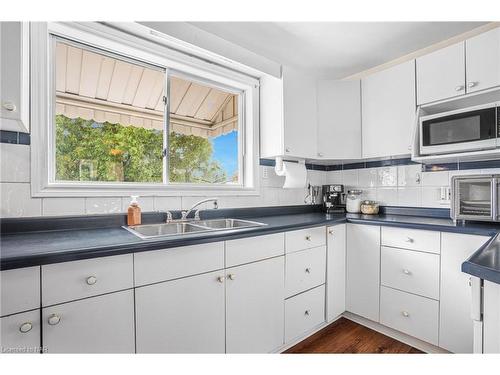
[456, 330]
[441, 74]
[491, 318]
[339, 119]
[363, 270]
[300, 114]
[335, 273]
[255, 306]
[14, 70]
[103, 324]
[388, 111]
[181, 316]
[483, 61]
[20, 333]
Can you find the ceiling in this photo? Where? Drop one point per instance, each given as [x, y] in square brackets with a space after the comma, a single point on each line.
[335, 49]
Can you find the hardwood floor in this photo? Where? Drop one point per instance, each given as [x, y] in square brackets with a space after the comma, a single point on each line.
[345, 336]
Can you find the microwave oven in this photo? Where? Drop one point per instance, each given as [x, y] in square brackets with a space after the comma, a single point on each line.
[465, 130]
[475, 197]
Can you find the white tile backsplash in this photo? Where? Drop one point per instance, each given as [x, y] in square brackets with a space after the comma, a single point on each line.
[409, 196]
[431, 197]
[387, 196]
[387, 176]
[166, 203]
[350, 177]
[316, 178]
[334, 177]
[409, 175]
[63, 206]
[103, 205]
[368, 177]
[441, 178]
[16, 201]
[15, 163]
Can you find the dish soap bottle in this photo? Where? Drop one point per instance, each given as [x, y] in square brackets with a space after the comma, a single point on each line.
[134, 212]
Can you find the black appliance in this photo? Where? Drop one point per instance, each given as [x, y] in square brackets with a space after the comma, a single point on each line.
[333, 198]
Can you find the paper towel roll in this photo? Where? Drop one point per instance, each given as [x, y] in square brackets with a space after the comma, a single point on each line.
[295, 174]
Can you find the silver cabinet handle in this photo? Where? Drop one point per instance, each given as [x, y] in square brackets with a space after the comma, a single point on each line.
[406, 314]
[231, 276]
[459, 88]
[410, 240]
[308, 270]
[54, 319]
[9, 106]
[406, 272]
[91, 280]
[25, 327]
[472, 84]
[307, 313]
[221, 279]
[308, 238]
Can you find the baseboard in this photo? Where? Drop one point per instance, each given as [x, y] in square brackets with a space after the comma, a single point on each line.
[403, 337]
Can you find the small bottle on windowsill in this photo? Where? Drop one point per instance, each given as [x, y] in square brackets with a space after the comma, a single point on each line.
[134, 212]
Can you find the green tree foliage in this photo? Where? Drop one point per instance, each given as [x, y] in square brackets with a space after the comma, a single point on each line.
[89, 151]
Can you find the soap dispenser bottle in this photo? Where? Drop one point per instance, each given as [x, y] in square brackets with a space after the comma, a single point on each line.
[134, 212]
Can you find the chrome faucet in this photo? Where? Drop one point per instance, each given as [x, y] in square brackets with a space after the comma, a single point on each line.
[185, 214]
[170, 216]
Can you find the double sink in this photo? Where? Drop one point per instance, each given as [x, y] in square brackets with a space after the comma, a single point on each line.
[191, 227]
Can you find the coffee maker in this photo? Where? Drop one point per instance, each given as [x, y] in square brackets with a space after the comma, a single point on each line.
[333, 198]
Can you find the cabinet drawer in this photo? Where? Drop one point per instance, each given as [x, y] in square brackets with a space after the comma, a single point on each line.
[412, 239]
[20, 290]
[304, 270]
[304, 312]
[162, 265]
[414, 315]
[304, 239]
[246, 250]
[62, 282]
[411, 271]
[20, 333]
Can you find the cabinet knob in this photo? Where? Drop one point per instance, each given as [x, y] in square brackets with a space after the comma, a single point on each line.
[9, 106]
[25, 327]
[320, 154]
[406, 314]
[472, 84]
[406, 272]
[231, 276]
[410, 240]
[470, 281]
[287, 149]
[54, 319]
[91, 280]
[307, 313]
[308, 270]
[459, 88]
[308, 238]
[221, 279]
[330, 232]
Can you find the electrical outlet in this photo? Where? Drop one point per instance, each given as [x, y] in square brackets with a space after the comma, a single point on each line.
[265, 174]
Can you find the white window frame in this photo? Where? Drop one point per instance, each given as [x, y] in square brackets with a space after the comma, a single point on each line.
[136, 48]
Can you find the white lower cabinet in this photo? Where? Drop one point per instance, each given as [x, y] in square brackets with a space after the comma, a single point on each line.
[456, 326]
[255, 306]
[304, 312]
[102, 324]
[411, 314]
[363, 270]
[491, 318]
[181, 316]
[20, 333]
[335, 271]
[305, 270]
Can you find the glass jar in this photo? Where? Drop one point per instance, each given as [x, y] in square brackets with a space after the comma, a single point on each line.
[353, 201]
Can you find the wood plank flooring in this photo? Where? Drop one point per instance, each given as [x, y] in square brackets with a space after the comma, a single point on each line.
[345, 336]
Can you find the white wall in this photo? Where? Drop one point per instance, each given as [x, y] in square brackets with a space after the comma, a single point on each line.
[16, 201]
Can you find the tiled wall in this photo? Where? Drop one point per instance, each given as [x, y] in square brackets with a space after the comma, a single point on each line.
[16, 201]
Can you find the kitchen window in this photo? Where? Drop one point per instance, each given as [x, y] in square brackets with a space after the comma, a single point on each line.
[121, 122]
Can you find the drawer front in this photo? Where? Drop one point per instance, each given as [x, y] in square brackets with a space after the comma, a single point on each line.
[63, 282]
[162, 265]
[412, 239]
[414, 315]
[410, 271]
[304, 239]
[20, 290]
[20, 333]
[246, 250]
[304, 312]
[304, 270]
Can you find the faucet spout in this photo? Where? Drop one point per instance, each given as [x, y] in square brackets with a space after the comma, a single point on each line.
[185, 214]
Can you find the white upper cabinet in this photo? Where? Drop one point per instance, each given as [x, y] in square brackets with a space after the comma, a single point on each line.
[339, 119]
[14, 70]
[483, 61]
[441, 74]
[288, 115]
[388, 111]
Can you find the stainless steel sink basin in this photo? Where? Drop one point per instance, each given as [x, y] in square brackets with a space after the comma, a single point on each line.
[191, 227]
[228, 223]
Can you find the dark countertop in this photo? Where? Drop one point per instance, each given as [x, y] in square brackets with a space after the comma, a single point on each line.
[53, 246]
[485, 262]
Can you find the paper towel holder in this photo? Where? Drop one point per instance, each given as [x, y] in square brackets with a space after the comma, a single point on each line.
[278, 168]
